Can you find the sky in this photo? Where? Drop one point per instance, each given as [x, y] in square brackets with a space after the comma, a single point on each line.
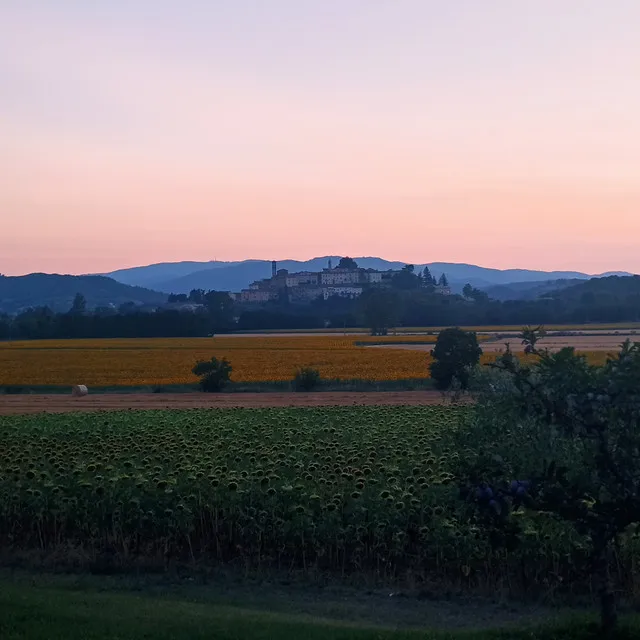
[499, 133]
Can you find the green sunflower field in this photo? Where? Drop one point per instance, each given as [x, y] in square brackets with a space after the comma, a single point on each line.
[348, 491]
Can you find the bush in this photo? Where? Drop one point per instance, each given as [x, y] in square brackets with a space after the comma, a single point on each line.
[306, 379]
[214, 374]
[559, 437]
[455, 354]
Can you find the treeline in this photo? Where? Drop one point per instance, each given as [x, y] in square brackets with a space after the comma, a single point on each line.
[42, 323]
[583, 303]
[213, 313]
[613, 299]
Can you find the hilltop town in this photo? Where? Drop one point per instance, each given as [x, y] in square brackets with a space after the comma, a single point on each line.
[345, 280]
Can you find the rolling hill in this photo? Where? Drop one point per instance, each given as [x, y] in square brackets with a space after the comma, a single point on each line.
[18, 293]
[607, 289]
[529, 290]
[149, 276]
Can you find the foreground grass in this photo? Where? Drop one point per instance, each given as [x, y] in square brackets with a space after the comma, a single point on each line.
[57, 612]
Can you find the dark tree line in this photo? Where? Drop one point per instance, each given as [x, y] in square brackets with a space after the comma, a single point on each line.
[42, 323]
[213, 314]
[614, 299]
[408, 280]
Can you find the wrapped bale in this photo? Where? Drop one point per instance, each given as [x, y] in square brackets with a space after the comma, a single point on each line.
[79, 391]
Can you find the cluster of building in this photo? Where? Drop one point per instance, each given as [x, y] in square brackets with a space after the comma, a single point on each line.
[306, 286]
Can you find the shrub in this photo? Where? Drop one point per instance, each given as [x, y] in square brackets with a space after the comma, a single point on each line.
[306, 379]
[455, 354]
[560, 437]
[214, 374]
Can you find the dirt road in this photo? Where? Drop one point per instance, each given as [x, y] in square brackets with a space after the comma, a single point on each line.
[21, 404]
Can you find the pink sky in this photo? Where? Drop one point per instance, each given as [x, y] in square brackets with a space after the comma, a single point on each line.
[498, 133]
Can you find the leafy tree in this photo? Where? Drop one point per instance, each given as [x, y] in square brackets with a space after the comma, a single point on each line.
[480, 296]
[560, 437]
[530, 337]
[347, 263]
[196, 296]
[40, 322]
[455, 354]
[221, 307]
[306, 379]
[79, 305]
[219, 301]
[471, 293]
[380, 308]
[405, 279]
[214, 374]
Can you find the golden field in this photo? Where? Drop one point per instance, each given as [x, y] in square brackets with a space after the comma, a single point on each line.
[142, 362]
[147, 362]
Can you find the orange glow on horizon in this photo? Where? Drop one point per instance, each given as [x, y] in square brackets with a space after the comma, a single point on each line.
[210, 132]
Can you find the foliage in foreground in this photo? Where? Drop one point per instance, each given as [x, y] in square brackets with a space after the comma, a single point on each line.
[561, 437]
[367, 492]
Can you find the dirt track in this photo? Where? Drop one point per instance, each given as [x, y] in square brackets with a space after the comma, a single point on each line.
[20, 404]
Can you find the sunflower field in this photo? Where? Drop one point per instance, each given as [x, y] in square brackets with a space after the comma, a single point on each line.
[143, 362]
[340, 491]
[168, 361]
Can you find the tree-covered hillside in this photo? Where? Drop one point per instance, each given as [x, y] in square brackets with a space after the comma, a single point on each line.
[58, 292]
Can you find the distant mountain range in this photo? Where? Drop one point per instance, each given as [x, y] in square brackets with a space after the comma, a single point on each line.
[58, 291]
[182, 277]
[149, 285]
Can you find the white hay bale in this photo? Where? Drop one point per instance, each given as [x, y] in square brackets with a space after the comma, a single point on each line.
[79, 390]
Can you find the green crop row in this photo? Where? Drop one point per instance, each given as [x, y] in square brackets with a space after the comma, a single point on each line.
[363, 491]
